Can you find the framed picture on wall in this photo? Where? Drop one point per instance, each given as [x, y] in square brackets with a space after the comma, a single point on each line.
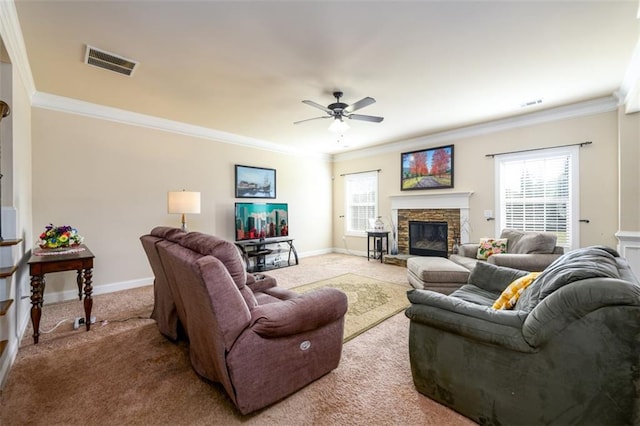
[255, 182]
[430, 168]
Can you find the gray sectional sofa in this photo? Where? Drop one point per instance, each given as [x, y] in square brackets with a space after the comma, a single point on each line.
[568, 353]
[526, 250]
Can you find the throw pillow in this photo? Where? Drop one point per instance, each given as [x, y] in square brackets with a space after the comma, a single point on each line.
[511, 294]
[490, 246]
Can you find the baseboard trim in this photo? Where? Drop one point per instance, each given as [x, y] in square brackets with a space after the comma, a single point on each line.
[350, 252]
[7, 360]
[314, 253]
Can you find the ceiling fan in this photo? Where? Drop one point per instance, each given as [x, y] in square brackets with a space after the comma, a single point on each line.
[339, 110]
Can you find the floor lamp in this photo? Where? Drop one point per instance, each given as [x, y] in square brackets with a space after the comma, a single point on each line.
[183, 202]
[4, 111]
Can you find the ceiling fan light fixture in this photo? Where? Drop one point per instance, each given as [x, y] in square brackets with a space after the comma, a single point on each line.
[339, 126]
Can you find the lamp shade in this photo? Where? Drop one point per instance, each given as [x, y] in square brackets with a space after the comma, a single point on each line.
[183, 202]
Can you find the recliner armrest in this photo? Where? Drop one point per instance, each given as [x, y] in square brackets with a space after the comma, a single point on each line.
[307, 312]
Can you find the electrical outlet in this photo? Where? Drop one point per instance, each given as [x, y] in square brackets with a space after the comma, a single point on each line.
[80, 321]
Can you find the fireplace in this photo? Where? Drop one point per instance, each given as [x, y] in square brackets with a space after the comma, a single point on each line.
[428, 238]
[449, 207]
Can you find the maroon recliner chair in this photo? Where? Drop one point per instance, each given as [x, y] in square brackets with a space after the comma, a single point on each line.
[260, 341]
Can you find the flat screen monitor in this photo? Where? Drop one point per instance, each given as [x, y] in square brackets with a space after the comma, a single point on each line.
[261, 220]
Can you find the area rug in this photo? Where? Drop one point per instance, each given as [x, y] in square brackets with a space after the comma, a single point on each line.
[370, 301]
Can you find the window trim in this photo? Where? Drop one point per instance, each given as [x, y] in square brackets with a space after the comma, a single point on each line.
[363, 233]
[574, 186]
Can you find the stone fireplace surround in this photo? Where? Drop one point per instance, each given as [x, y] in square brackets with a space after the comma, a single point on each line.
[450, 207]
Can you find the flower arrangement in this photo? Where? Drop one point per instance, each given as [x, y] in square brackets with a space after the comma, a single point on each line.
[59, 236]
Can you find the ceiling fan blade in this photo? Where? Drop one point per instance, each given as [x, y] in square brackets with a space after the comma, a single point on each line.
[317, 105]
[360, 104]
[309, 119]
[371, 118]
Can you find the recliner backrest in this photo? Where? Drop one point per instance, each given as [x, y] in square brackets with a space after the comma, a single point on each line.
[577, 265]
[228, 254]
[216, 312]
[165, 310]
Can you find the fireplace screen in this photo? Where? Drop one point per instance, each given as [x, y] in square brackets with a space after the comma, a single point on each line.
[428, 238]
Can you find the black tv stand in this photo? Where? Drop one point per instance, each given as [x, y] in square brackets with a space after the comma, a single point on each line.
[265, 254]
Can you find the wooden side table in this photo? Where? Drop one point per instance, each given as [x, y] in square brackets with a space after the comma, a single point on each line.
[380, 244]
[43, 262]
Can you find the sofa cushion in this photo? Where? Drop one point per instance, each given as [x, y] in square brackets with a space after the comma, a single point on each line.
[511, 294]
[474, 294]
[576, 265]
[523, 242]
[490, 246]
[493, 278]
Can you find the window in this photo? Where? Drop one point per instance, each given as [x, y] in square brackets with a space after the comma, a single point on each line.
[361, 201]
[538, 191]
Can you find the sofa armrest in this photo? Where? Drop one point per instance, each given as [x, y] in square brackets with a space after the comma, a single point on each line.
[532, 262]
[574, 301]
[468, 250]
[477, 322]
[309, 311]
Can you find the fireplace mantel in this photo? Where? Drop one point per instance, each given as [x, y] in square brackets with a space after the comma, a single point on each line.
[440, 200]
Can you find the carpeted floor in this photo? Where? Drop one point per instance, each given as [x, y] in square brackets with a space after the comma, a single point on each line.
[124, 372]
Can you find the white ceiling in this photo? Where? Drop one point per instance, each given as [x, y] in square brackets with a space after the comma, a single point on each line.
[243, 67]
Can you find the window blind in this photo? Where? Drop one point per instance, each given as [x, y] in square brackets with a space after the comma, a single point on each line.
[538, 192]
[361, 193]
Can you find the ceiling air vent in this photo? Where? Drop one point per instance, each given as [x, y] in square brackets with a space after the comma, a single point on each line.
[109, 61]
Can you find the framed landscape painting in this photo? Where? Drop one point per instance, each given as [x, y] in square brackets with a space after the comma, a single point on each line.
[430, 168]
[255, 182]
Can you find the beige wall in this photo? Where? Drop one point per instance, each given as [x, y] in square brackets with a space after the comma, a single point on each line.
[110, 181]
[475, 172]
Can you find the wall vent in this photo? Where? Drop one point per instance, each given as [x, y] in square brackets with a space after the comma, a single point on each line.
[109, 61]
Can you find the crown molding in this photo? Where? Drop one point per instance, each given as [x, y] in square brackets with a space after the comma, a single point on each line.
[88, 109]
[11, 34]
[596, 106]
